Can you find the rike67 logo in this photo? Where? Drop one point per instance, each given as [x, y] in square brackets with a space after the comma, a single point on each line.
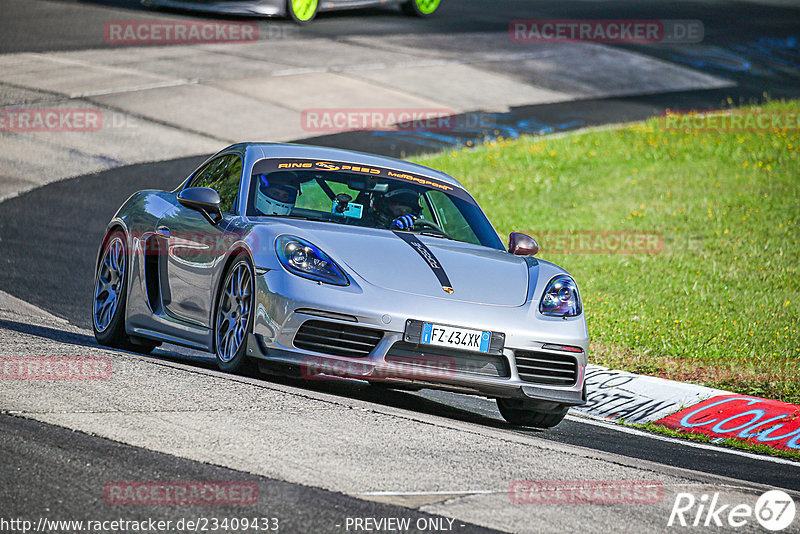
[774, 511]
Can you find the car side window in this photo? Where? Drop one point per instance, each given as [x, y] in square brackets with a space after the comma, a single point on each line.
[223, 176]
[450, 218]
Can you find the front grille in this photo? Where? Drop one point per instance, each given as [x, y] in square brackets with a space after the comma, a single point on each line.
[337, 339]
[546, 367]
[448, 360]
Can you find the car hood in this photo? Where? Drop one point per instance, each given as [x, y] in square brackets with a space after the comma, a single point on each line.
[384, 259]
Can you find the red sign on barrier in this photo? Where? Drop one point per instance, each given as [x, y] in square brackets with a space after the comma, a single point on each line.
[761, 421]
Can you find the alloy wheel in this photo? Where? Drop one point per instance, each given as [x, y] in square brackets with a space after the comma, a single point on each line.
[108, 288]
[234, 311]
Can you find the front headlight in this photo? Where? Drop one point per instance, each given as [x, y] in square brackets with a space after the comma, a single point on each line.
[561, 298]
[304, 259]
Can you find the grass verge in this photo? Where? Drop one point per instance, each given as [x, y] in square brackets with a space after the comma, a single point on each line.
[742, 445]
[719, 305]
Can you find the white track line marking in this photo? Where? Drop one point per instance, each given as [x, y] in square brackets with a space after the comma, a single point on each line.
[401, 493]
[134, 88]
[704, 446]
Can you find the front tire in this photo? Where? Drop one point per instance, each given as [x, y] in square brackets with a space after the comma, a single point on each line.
[525, 413]
[234, 317]
[302, 11]
[421, 8]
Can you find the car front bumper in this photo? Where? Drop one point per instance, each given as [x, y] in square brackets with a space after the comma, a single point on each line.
[285, 303]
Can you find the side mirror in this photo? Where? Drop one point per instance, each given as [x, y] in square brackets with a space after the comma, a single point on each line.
[522, 245]
[202, 199]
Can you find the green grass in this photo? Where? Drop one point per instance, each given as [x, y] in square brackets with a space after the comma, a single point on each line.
[719, 305]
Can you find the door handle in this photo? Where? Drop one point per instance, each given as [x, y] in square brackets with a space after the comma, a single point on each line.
[162, 231]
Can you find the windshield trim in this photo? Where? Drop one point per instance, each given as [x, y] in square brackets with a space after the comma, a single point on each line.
[267, 165]
[485, 236]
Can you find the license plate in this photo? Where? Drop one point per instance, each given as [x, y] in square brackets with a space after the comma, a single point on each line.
[454, 337]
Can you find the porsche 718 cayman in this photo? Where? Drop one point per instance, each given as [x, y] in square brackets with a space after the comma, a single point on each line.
[343, 264]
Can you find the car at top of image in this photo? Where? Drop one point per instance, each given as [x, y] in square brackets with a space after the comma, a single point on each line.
[301, 11]
[343, 264]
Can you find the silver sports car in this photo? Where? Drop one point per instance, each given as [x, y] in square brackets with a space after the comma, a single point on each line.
[301, 11]
[341, 264]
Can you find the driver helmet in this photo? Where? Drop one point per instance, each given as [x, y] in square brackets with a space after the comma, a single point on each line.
[399, 202]
[277, 193]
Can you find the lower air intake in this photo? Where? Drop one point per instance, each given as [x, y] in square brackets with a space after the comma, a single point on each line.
[337, 339]
[546, 368]
[444, 359]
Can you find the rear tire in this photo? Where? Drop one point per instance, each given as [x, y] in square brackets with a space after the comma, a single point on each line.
[234, 317]
[302, 11]
[524, 413]
[111, 293]
[421, 8]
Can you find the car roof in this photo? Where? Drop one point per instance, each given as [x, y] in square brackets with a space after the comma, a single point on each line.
[291, 150]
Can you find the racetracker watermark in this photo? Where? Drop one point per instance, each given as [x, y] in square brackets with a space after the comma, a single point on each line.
[599, 242]
[55, 368]
[731, 121]
[189, 246]
[146, 524]
[606, 31]
[428, 368]
[50, 120]
[378, 119]
[586, 492]
[138, 32]
[181, 493]
[774, 510]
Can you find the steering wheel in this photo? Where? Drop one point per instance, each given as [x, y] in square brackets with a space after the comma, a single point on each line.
[423, 224]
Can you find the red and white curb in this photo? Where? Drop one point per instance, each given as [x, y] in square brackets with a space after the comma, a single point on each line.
[622, 396]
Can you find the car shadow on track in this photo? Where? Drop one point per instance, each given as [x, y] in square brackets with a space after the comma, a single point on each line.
[356, 389]
[353, 389]
[54, 334]
[88, 340]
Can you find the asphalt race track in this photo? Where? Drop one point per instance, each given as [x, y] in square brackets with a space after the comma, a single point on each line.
[48, 242]
[30, 447]
[64, 288]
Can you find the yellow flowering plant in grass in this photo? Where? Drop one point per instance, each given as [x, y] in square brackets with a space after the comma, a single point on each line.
[718, 304]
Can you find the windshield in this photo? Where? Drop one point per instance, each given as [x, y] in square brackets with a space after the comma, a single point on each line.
[372, 197]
